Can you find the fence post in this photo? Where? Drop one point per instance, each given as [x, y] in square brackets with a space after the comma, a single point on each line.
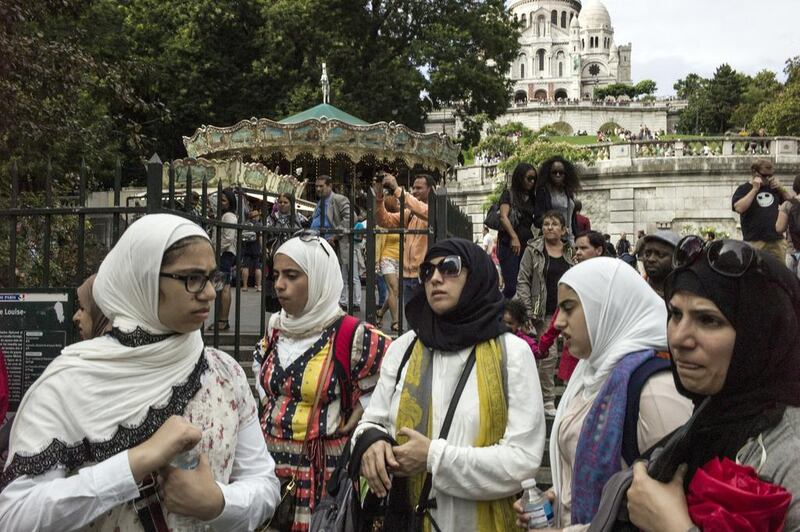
[154, 169]
[441, 214]
[369, 259]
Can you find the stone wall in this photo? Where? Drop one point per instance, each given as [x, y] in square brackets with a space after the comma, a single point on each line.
[588, 117]
[626, 195]
[584, 116]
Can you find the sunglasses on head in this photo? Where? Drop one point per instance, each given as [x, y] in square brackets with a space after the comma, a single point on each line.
[731, 258]
[309, 235]
[449, 267]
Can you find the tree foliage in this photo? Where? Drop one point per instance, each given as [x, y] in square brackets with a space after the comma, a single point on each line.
[643, 88]
[781, 116]
[109, 78]
[689, 86]
[732, 101]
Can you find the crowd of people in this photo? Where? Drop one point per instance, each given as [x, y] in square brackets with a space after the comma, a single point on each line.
[697, 356]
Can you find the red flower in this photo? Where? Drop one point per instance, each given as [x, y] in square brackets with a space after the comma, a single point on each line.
[726, 497]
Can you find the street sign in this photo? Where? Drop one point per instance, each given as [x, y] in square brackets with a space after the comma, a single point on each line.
[35, 325]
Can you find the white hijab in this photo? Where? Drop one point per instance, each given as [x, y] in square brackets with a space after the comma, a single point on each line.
[623, 316]
[318, 261]
[99, 385]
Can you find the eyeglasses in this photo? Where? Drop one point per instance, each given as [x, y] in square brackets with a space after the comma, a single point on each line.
[309, 235]
[196, 282]
[731, 258]
[449, 267]
[558, 172]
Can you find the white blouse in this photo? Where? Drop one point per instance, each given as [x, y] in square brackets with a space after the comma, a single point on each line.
[56, 501]
[463, 474]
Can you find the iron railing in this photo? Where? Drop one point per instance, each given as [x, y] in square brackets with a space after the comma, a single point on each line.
[45, 209]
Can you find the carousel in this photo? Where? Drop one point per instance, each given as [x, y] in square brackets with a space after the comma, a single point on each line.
[286, 155]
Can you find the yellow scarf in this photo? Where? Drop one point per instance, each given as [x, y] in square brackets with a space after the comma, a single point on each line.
[414, 412]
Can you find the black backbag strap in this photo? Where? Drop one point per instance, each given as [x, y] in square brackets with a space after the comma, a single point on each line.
[424, 504]
[639, 377]
[403, 362]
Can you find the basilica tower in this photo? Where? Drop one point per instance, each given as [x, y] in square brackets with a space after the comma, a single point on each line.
[567, 50]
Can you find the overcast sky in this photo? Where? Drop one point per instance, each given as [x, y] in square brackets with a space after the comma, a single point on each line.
[672, 38]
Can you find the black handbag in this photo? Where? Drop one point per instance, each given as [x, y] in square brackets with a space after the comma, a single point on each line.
[399, 520]
[492, 220]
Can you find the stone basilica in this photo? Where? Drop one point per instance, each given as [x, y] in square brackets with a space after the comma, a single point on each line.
[566, 51]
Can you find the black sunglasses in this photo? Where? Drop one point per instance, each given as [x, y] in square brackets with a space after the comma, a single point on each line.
[196, 282]
[449, 267]
[731, 258]
[309, 235]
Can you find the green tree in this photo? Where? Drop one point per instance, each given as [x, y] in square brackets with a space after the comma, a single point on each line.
[382, 54]
[724, 92]
[792, 69]
[65, 93]
[781, 116]
[711, 101]
[760, 89]
[689, 86]
[616, 90]
[646, 87]
[537, 152]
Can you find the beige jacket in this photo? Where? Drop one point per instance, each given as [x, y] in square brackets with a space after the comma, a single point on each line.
[531, 282]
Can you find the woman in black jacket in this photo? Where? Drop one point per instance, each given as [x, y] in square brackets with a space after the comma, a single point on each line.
[555, 190]
[516, 221]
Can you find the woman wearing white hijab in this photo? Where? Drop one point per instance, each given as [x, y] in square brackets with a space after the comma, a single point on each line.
[317, 368]
[614, 323]
[125, 408]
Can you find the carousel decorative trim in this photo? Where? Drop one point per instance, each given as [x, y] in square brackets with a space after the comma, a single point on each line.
[323, 137]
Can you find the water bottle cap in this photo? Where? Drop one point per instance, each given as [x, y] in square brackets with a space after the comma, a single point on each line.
[529, 483]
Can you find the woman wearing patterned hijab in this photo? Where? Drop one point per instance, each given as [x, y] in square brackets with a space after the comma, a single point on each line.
[497, 435]
[317, 368]
[146, 413]
[614, 323]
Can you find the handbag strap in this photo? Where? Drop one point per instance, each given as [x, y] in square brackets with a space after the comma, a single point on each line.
[148, 506]
[424, 503]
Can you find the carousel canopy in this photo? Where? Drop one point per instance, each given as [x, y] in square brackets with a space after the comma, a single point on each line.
[323, 131]
[323, 111]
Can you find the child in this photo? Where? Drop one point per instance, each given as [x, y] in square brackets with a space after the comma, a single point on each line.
[515, 316]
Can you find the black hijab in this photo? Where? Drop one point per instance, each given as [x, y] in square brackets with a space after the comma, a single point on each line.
[764, 373]
[479, 314]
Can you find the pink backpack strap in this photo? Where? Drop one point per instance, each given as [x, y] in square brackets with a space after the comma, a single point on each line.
[342, 349]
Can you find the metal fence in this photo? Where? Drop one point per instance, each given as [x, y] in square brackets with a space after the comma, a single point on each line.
[51, 240]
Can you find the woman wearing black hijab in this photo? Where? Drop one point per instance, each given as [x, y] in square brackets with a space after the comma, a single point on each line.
[734, 335]
[497, 434]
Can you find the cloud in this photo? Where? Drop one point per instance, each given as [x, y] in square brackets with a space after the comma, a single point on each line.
[672, 38]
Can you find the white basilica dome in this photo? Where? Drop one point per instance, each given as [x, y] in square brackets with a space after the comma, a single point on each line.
[594, 15]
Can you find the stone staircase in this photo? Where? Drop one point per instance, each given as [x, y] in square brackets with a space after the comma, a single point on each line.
[244, 356]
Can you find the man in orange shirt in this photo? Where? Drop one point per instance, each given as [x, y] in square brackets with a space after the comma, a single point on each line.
[415, 216]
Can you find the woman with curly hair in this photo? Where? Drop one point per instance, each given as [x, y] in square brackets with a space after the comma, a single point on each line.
[555, 190]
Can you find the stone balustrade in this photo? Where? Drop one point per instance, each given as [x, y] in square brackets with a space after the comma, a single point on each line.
[776, 148]
[653, 185]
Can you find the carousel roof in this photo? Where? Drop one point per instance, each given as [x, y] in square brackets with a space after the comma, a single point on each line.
[323, 131]
[321, 111]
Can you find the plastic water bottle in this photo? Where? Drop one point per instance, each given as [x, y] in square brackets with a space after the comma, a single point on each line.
[537, 506]
[186, 460]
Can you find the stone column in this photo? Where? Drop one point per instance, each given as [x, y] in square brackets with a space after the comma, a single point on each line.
[727, 147]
